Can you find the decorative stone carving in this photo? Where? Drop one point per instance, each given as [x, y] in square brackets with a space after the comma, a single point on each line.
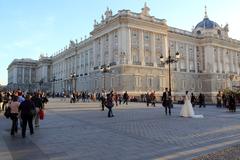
[226, 28]
[108, 13]
[72, 44]
[145, 10]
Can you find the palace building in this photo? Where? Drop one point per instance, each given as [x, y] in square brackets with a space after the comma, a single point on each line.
[130, 45]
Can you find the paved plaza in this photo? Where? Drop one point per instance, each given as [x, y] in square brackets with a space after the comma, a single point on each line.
[82, 131]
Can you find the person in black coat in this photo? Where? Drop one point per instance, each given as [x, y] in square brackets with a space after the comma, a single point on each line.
[166, 101]
[109, 104]
[27, 109]
[193, 100]
[201, 100]
[232, 103]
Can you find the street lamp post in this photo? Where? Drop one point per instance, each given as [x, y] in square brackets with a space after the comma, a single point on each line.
[169, 61]
[231, 77]
[73, 77]
[105, 69]
[40, 84]
[53, 85]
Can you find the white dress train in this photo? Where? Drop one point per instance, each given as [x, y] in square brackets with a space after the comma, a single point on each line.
[187, 109]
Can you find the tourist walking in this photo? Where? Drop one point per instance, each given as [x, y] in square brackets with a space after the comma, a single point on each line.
[27, 109]
[232, 103]
[125, 98]
[38, 106]
[148, 99]
[103, 99]
[166, 101]
[14, 107]
[153, 98]
[224, 99]
[109, 104]
[219, 100]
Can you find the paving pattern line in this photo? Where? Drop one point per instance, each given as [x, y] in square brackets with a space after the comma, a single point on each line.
[197, 150]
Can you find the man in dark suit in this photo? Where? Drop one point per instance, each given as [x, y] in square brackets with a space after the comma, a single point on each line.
[201, 100]
[166, 101]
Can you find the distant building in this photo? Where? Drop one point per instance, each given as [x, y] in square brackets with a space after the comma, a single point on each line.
[131, 44]
[30, 75]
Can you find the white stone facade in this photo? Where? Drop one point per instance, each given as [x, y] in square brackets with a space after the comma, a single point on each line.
[30, 75]
[132, 43]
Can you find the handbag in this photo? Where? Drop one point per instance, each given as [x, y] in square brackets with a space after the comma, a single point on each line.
[33, 112]
[41, 114]
[7, 112]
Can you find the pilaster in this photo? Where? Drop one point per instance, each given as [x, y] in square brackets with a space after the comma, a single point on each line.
[94, 54]
[129, 44]
[101, 51]
[223, 60]
[219, 60]
[187, 58]
[236, 63]
[110, 54]
[195, 59]
[119, 45]
[141, 48]
[153, 50]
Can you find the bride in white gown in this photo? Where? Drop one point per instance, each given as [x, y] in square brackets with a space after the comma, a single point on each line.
[187, 109]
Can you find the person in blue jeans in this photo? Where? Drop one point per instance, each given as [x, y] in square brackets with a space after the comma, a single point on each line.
[109, 104]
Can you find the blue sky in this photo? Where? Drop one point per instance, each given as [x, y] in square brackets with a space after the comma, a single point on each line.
[29, 28]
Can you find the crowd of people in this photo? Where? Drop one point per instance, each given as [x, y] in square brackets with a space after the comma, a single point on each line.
[22, 108]
[226, 100]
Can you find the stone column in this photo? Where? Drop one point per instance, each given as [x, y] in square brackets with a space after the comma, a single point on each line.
[141, 48]
[231, 61]
[195, 59]
[103, 60]
[187, 58]
[129, 44]
[119, 44]
[88, 69]
[219, 60]
[223, 60]
[94, 54]
[236, 61]
[101, 51]
[153, 51]
[110, 54]
[209, 59]
[166, 47]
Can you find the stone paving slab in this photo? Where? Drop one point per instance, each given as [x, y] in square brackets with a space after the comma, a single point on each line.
[230, 153]
[82, 131]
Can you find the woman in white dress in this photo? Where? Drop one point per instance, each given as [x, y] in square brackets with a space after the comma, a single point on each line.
[187, 109]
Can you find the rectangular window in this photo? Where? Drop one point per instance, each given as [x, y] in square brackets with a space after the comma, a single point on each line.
[138, 81]
[150, 82]
[199, 84]
[183, 84]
